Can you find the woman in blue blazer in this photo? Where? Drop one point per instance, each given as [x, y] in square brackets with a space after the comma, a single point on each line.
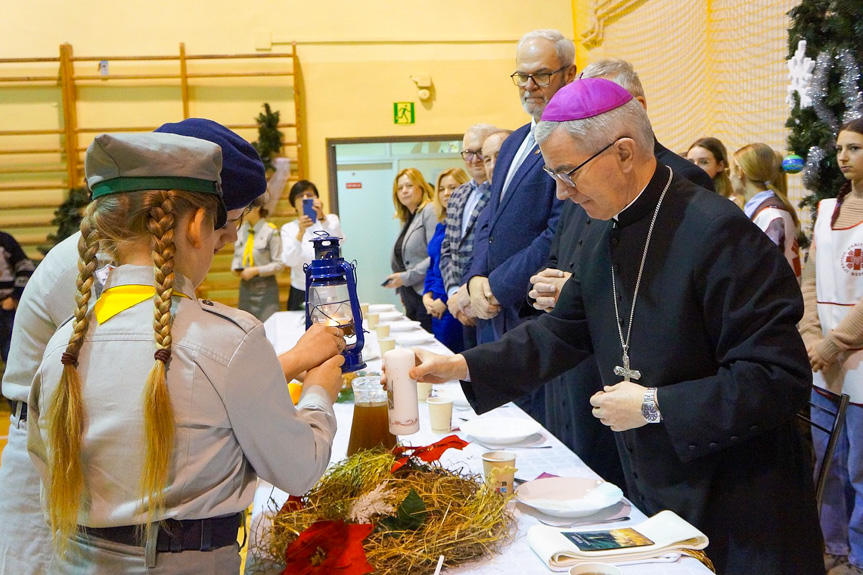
[445, 327]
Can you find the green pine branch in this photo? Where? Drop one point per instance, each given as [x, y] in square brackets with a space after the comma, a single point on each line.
[270, 138]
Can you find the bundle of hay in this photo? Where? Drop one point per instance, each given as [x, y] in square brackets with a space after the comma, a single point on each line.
[419, 512]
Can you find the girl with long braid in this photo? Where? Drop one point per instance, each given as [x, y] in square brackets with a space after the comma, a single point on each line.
[153, 412]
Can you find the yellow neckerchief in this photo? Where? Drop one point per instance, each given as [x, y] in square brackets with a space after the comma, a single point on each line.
[120, 298]
[248, 255]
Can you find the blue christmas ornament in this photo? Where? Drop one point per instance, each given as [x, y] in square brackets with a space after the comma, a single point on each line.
[793, 163]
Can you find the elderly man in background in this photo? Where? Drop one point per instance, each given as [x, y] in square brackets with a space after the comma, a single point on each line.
[692, 316]
[491, 151]
[464, 206]
[517, 226]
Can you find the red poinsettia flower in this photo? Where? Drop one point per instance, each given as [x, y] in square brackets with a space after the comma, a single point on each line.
[294, 503]
[427, 453]
[329, 548]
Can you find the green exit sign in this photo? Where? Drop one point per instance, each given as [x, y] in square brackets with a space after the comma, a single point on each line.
[403, 113]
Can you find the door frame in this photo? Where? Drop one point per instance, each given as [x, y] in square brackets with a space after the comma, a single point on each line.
[332, 167]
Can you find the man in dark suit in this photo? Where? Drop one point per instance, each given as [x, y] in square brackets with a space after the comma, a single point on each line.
[692, 314]
[567, 397]
[516, 227]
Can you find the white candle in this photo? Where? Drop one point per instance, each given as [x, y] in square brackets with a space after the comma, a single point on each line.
[401, 392]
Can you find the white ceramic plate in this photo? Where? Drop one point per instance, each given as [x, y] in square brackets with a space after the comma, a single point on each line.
[381, 307]
[414, 338]
[391, 316]
[404, 325]
[568, 496]
[500, 430]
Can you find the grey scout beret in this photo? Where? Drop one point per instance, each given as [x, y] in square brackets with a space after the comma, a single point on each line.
[128, 162]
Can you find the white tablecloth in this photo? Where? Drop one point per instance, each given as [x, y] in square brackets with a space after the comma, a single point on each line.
[285, 328]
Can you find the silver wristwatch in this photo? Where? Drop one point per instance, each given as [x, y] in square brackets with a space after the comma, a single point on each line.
[649, 408]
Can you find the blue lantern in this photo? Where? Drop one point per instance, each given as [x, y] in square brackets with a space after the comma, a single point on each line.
[331, 297]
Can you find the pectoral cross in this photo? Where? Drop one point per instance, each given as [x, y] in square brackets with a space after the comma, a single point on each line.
[625, 371]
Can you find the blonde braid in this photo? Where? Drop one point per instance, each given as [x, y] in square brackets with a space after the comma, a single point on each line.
[158, 411]
[66, 412]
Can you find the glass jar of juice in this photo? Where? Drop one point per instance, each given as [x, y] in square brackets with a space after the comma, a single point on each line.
[370, 427]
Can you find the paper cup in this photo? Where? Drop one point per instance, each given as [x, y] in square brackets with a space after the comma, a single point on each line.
[498, 468]
[386, 344]
[373, 319]
[440, 414]
[383, 330]
[423, 390]
[364, 307]
[595, 569]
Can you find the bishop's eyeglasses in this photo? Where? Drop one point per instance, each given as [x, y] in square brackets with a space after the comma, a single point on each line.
[541, 79]
[566, 177]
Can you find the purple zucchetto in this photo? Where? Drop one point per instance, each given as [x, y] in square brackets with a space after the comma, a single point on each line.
[584, 99]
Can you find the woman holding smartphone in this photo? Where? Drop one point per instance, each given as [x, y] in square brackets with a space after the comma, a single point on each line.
[410, 260]
[297, 248]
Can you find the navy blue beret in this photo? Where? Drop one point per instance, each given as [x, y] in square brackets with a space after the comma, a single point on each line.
[243, 175]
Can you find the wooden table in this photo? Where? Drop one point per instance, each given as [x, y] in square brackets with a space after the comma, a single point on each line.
[285, 328]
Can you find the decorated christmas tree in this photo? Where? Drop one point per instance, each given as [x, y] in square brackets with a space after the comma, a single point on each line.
[825, 60]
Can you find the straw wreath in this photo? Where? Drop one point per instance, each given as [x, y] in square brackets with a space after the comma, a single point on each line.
[463, 520]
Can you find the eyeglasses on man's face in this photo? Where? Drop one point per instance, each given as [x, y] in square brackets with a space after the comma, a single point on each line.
[470, 155]
[566, 177]
[542, 79]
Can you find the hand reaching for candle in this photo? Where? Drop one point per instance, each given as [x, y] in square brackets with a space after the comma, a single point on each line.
[619, 406]
[328, 375]
[434, 368]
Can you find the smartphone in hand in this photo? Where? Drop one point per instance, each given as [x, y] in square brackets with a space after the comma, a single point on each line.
[386, 282]
[309, 209]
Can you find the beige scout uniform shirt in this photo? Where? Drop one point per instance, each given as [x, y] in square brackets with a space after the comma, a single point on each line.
[233, 412]
[266, 252]
[48, 300]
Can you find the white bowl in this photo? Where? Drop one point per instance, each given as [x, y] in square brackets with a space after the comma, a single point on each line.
[390, 316]
[413, 338]
[500, 430]
[568, 496]
[381, 307]
[404, 325]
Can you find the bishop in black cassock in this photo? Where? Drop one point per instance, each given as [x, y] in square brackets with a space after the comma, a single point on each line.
[714, 331]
